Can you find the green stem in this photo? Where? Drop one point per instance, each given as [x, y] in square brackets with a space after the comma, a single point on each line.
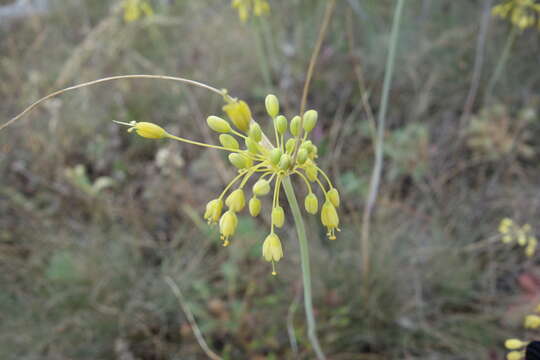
[379, 144]
[263, 59]
[501, 63]
[306, 272]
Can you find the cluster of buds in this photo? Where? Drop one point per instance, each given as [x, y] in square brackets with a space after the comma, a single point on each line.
[517, 348]
[264, 166]
[523, 235]
[521, 13]
[246, 7]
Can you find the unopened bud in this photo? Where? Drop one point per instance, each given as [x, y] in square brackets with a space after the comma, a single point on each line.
[218, 124]
[254, 206]
[272, 105]
[280, 123]
[228, 141]
[278, 216]
[295, 125]
[311, 203]
[310, 120]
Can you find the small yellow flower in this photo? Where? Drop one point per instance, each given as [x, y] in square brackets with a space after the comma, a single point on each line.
[311, 203]
[330, 219]
[236, 200]
[227, 226]
[532, 322]
[514, 344]
[213, 211]
[278, 216]
[272, 250]
[239, 113]
[146, 129]
[515, 355]
[254, 206]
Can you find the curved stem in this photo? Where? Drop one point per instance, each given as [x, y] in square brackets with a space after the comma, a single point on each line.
[306, 272]
[193, 142]
[111, 78]
[501, 63]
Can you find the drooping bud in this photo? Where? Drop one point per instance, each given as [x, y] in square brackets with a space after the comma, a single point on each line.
[213, 210]
[218, 124]
[240, 161]
[239, 113]
[236, 200]
[330, 219]
[278, 216]
[254, 206]
[295, 125]
[289, 145]
[255, 132]
[261, 187]
[310, 120]
[272, 250]
[302, 156]
[333, 195]
[272, 105]
[311, 171]
[280, 123]
[227, 226]
[311, 203]
[275, 155]
[285, 162]
[228, 141]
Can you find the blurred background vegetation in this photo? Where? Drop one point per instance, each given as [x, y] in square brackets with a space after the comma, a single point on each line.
[92, 220]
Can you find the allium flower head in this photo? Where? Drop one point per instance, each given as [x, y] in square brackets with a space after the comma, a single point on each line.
[264, 165]
[521, 13]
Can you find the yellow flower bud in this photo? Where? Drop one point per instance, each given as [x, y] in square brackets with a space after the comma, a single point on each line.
[514, 344]
[507, 239]
[272, 105]
[280, 123]
[272, 250]
[240, 160]
[239, 113]
[236, 200]
[311, 203]
[532, 322]
[330, 219]
[275, 155]
[289, 145]
[261, 187]
[302, 156]
[228, 141]
[278, 216]
[333, 196]
[213, 211]
[254, 206]
[310, 120]
[227, 226]
[311, 171]
[147, 130]
[255, 132]
[218, 124]
[505, 225]
[515, 355]
[285, 161]
[295, 125]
